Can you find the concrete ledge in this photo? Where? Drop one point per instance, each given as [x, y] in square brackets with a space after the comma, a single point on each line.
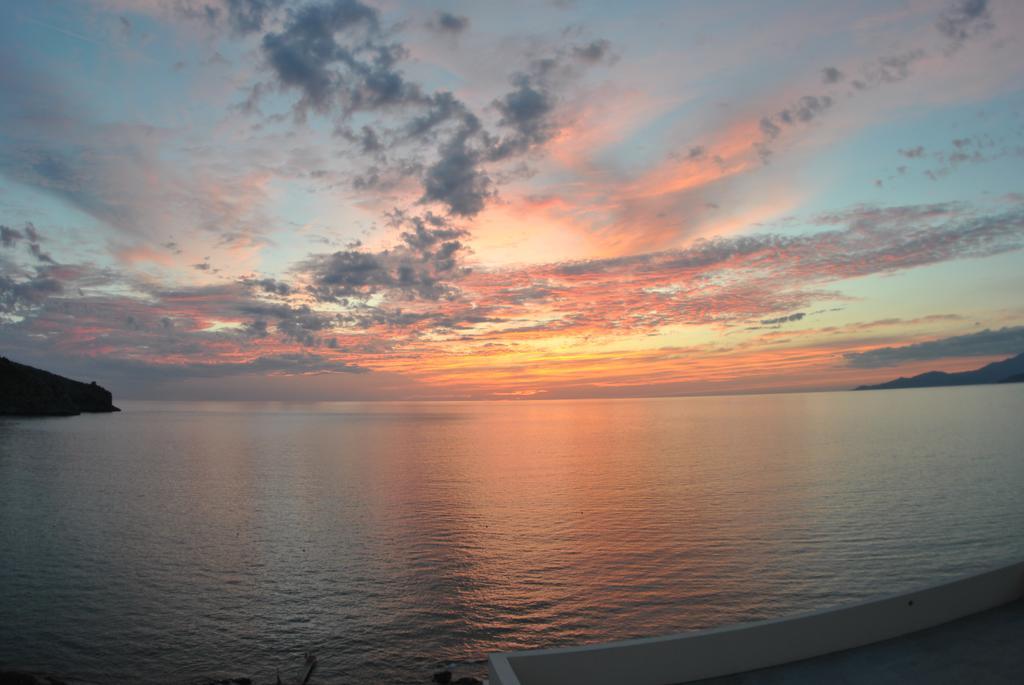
[724, 651]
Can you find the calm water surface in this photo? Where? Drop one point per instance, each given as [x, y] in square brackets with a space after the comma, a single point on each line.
[175, 541]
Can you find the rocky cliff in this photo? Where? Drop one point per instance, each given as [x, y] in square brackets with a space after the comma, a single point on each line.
[27, 391]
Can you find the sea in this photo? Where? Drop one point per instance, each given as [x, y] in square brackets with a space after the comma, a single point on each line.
[176, 542]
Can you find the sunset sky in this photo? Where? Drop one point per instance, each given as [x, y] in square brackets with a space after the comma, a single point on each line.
[328, 199]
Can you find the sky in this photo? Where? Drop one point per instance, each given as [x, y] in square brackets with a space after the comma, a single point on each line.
[349, 200]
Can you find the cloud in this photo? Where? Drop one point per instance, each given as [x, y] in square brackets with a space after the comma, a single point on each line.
[734, 280]
[456, 179]
[966, 18]
[271, 286]
[299, 323]
[424, 266]
[336, 56]
[341, 61]
[886, 69]
[526, 111]
[446, 22]
[977, 149]
[9, 237]
[400, 308]
[243, 17]
[117, 173]
[38, 253]
[806, 109]
[248, 16]
[594, 51]
[830, 75]
[891, 69]
[986, 343]
[913, 152]
[18, 296]
[784, 319]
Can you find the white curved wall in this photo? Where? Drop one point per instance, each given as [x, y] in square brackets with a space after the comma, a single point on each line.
[735, 649]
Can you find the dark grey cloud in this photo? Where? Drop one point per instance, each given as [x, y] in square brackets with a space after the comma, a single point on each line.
[297, 323]
[769, 128]
[369, 141]
[964, 19]
[784, 319]
[424, 266]
[341, 61]
[441, 108]
[526, 111]
[9, 237]
[336, 56]
[831, 75]
[258, 328]
[594, 51]
[1004, 341]
[446, 22]
[38, 253]
[806, 109]
[913, 152]
[348, 273]
[19, 295]
[271, 286]
[803, 111]
[457, 179]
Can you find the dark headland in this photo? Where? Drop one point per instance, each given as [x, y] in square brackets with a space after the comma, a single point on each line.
[1007, 371]
[28, 391]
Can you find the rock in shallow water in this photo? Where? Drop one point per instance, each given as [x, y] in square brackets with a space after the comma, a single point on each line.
[445, 678]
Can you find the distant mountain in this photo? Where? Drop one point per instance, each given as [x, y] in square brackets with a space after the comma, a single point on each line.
[1007, 371]
[28, 391]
